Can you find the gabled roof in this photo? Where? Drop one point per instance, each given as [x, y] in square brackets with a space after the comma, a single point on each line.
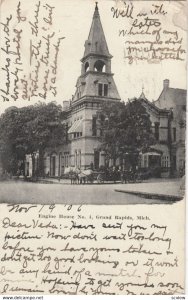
[96, 42]
[142, 96]
[152, 106]
[173, 95]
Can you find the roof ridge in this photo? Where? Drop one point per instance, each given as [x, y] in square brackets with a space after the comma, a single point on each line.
[172, 88]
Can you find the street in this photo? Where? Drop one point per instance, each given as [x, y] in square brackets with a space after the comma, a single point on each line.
[64, 193]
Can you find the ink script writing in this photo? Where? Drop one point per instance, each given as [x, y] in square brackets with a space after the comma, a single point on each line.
[30, 48]
[148, 35]
[55, 250]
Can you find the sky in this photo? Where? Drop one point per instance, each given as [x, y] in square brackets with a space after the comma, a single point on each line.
[72, 19]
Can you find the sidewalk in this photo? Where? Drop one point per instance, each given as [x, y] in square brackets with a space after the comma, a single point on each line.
[156, 188]
[51, 180]
[168, 189]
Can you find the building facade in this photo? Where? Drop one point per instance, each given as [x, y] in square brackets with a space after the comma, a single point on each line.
[168, 118]
[96, 85]
[159, 154]
[174, 99]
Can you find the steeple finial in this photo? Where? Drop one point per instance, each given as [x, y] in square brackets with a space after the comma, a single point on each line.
[142, 96]
[96, 12]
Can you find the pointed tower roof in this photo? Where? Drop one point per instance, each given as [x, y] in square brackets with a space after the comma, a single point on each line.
[96, 42]
[142, 96]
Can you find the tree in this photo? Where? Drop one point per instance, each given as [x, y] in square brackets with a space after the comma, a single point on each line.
[29, 129]
[126, 130]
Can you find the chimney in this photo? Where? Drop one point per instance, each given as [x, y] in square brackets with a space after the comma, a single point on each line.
[66, 105]
[166, 83]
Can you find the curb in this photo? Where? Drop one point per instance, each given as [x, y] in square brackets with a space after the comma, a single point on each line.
[152, 195]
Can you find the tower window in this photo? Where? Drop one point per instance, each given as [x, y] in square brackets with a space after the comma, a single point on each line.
[99, 66]
[103, 89]
[86, 66]
[100, 91]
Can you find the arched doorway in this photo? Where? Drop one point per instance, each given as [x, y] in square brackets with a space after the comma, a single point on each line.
[53, 164]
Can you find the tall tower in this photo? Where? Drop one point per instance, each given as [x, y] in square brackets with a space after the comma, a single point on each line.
[96, 77]
[94, 85]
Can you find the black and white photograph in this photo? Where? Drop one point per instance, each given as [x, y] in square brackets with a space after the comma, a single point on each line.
[111, 118]
[92, 147]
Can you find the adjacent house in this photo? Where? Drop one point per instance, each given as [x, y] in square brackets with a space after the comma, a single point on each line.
[168, 116]
[174, 99]
[159, 154]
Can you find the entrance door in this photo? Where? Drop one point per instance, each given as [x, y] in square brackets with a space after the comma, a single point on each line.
[27, 169]
[96, 159]
[174, 162]
[53, 165]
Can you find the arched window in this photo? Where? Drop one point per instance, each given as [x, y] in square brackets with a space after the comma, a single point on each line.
[99, 66]
[86, 66]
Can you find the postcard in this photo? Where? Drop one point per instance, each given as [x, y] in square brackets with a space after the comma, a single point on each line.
[92, 147]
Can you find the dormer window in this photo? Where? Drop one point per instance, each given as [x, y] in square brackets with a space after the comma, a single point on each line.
[103, 89]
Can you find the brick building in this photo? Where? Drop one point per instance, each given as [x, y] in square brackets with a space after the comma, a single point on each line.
[95, 85]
